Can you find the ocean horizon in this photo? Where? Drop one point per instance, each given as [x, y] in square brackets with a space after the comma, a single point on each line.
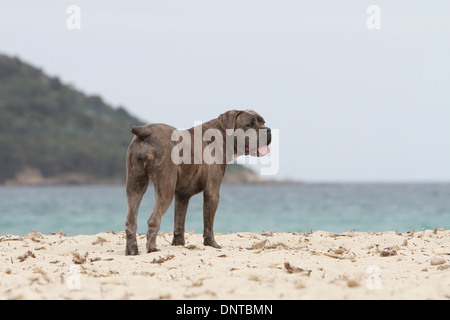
[302, 208]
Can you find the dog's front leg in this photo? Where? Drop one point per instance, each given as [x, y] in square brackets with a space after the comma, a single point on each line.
[181, 205]
[210, 203]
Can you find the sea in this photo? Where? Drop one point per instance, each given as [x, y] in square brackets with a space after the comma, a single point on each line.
[302, 208]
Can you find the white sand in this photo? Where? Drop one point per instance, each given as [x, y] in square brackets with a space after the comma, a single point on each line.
[321, 265]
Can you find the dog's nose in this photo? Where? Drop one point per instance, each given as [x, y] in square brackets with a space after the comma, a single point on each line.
[269, 135]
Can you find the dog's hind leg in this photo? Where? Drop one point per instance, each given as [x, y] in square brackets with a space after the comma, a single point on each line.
[136, 187]
[164, 192]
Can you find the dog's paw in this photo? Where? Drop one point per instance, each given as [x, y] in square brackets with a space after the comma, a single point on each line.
[151, 247]
[131, 251]
[211, 243]
[178, 241]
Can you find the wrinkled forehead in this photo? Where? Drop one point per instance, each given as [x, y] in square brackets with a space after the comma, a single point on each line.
[248, 114]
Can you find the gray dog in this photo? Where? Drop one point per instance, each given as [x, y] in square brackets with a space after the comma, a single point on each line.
[150, 156]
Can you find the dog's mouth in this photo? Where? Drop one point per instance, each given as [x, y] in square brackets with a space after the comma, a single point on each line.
[259, 152]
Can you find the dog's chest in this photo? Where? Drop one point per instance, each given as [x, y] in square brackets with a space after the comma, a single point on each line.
[193, 179]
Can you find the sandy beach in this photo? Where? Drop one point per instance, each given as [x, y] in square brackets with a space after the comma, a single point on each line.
[319, 265]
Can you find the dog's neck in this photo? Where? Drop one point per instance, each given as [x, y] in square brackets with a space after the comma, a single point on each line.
[211, 124]
[215, 125]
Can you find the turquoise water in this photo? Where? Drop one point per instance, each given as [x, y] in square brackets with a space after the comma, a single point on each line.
[282, 208]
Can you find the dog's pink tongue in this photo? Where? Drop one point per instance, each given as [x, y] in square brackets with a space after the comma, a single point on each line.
[263, 150]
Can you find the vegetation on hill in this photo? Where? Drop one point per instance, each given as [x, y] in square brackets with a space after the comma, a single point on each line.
[56, 130]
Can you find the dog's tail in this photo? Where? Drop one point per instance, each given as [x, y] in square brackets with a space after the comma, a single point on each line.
[141, 131]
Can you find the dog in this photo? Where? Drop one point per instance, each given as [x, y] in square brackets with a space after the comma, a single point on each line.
[150, 156]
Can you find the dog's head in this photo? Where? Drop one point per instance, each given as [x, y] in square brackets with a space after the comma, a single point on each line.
[250, 135]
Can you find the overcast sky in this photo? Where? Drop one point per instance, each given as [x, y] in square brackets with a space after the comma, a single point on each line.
[350, 103]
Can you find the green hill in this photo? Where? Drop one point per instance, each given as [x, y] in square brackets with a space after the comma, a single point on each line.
[53, 130]
[53, 133]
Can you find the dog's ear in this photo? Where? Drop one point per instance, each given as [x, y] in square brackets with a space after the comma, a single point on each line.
[140, 131]
[228, 119]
